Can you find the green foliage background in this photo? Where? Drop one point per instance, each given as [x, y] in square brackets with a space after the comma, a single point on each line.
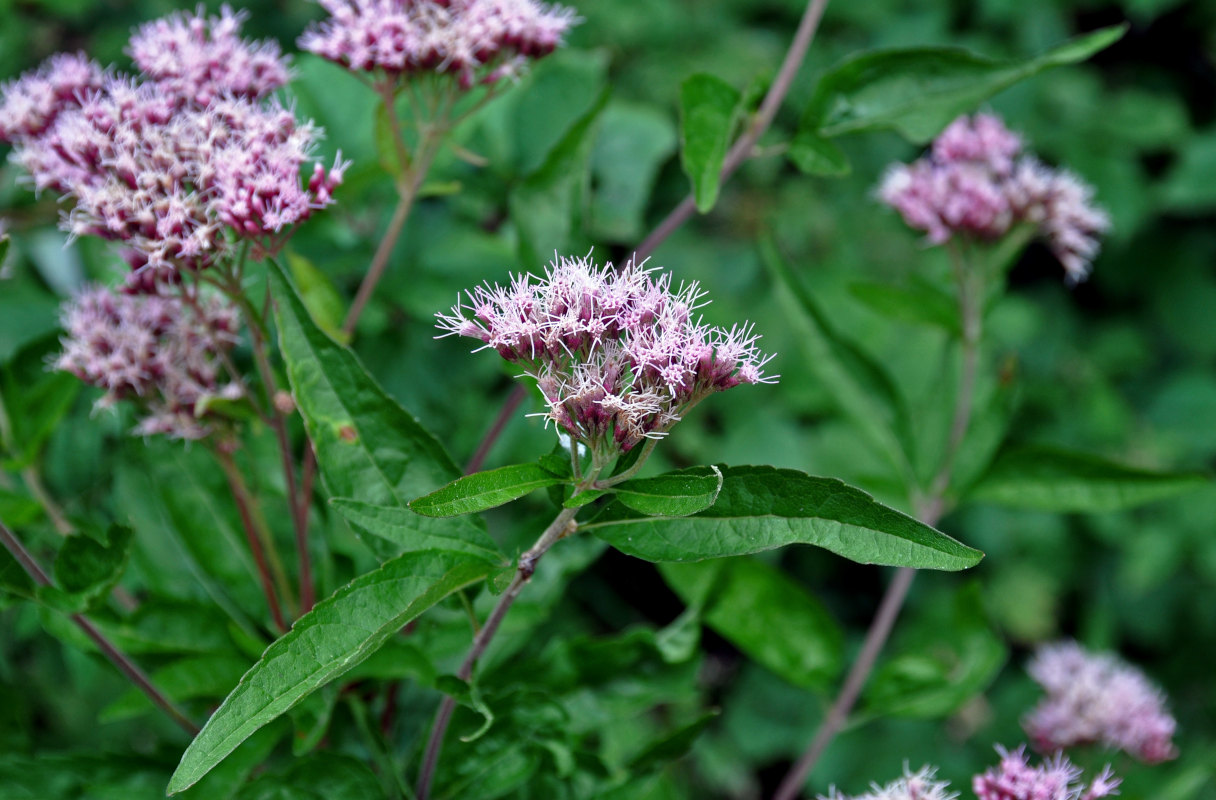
[1123, 365]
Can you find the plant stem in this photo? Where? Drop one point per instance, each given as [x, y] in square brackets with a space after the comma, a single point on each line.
[118, 658]
[562, 526]
[244, 504]
[929, 509]
[518, 393]
[59, 520]
[745, 145]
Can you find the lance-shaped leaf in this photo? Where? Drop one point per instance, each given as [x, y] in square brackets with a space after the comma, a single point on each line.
[369, 448]
[1047, 479]
[483, 490]
[708, 109]
[336, 635]
[815, 155]
[861, 387]
[412, 532]
[918, 303]
[918, 91]
[674, 494]
[760, 508]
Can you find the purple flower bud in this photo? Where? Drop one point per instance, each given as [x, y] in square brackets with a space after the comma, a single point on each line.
[1015, 779]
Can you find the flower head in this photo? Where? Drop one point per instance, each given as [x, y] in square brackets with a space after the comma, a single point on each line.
[198, 58]
[181, 163]
[919, 785]
[1015, 779]
[472, 39]
[618, 355]
[154, 350]
[975, 182]
[1098, 698]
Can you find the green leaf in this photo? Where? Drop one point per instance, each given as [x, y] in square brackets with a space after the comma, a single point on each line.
[14, 580]
[467, 695]
[369, 449]
[746, 601]
[336, 635]
[225, 781]
[17, 510]
[411, 532]
[1049, 479]
[386, 143]
[918, 303]
[918, 91]
[319, 296]
[544, 205]
[861, 387]
[674, 494]
[761, 508]
[816, 155]
[483, 490]
[708, 111]
[674, 745]
[941, 664]
[87, 569]
[632, 144]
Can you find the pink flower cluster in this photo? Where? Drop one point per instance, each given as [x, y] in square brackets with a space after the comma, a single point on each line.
[975, 182]
[155, 350]
[618, 355]
[1097, 698]
[919, 785]
[200, 59]
[169, 165]
[1012, 779]
[1015, 779]
[473, 39]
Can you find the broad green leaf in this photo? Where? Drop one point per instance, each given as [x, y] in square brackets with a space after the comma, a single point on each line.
[321, 775]
[195, 678]
[708, 111]
[1187, 187]
[918, 91]
[30, 313]
[674, 494]
[336, 635]
[170, 627]
[746, 601]
[761, 508]
[484, 490]
[223, 782]
[917, 303]
[87, 569]
[412, 532]
[319, 295]
[942, 663]
[815, 155]
[632, 144]
[861, 387]
[1048, 479]
[467, 695]
[16, 509]
[545, 204]
[369, 448]
[35, 399]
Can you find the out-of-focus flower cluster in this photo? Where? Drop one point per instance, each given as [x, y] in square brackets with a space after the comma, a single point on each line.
[1098, 698]
[167, 162]
[478, 41]
[155, 350]
[976, 182]
[1014, 778]
[618, 355]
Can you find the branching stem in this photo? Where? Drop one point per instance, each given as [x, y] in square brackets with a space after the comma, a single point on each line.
[116, 657]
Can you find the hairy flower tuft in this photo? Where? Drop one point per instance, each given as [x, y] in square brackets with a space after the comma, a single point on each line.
[1098, 698]
[618, 355]
[975, 182]
[1058, 779]
[154, 350]
[199, 58]
[919, 785]
[476, 40]
[32, 102]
